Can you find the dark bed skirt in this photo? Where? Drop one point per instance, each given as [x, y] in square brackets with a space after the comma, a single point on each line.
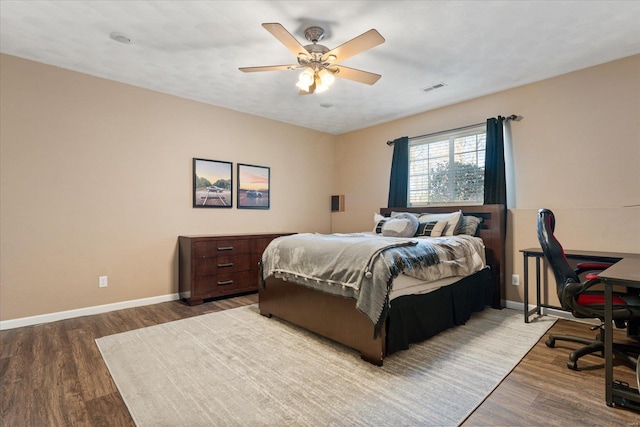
[415, 318]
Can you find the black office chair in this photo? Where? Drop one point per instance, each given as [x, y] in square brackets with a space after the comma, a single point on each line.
[576, 297]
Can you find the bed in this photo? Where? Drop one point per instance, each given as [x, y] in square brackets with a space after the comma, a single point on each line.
[409, 318]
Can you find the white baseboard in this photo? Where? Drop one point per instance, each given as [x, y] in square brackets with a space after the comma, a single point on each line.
[87, 311]
[549, 312]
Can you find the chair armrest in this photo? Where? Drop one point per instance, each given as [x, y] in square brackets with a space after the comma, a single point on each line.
[591, 266]
[577, 288]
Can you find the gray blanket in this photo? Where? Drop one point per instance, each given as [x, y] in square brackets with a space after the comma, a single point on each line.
[355, 265]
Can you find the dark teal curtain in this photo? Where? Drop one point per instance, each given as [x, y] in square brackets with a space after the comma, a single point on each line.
[495, 184]
[399, 181]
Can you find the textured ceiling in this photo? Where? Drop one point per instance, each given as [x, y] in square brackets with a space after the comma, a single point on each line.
[193, 49]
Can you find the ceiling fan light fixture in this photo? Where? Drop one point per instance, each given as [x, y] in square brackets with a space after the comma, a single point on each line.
[326, 79]
[320, 87]
[306, 77]
[302, 86]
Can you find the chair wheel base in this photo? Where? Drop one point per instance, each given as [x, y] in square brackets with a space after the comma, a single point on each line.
[572, 365]
[550, 342]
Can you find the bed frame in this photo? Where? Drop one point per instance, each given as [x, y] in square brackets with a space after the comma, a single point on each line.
[337, 318]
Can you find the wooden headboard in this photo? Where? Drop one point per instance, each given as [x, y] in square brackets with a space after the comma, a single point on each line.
[492, 231]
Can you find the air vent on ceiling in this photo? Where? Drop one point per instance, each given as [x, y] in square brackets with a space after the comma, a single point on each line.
[433, 87]
[120, 37]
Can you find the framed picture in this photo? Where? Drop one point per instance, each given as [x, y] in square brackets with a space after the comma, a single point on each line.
[253, 187]
[212, 184]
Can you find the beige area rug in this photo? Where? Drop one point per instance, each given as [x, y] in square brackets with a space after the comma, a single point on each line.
[238, 368]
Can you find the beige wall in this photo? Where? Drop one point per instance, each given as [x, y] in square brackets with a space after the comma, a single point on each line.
[96, 180]
[577, 152]
[96, 176]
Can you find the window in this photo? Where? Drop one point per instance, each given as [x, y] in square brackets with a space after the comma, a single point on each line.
[447, 168]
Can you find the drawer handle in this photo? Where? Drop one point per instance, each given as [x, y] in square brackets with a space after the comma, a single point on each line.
[226, 282]
[229, 264]
[226, 248]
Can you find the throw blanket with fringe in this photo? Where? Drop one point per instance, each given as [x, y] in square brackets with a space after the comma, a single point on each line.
[354, 265]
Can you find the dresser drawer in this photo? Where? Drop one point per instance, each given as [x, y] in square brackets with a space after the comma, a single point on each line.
[223, 264]
[212, 248]
[223, 284]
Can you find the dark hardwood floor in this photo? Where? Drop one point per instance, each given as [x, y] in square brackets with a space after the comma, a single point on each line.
[53, 375]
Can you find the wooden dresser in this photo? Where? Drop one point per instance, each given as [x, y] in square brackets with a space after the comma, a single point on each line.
[220, 265]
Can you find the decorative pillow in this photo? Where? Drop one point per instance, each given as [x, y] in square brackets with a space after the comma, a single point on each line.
[406, 227]
[431, 229]
[378, 222]
[453, 220]
[413, 219]
[398, 227]
[470, 225]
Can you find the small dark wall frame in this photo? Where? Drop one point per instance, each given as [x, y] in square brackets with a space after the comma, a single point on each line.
[254, 187]
[337, 203]
[212, 184]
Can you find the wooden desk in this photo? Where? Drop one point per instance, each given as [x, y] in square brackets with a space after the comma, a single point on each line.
[537, 253]
[626, 273]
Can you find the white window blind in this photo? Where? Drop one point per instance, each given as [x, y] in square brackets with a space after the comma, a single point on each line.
[447, 168]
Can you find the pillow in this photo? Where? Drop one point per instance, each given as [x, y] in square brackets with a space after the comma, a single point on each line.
[399, 227]
[405, 228]
[470, 225]
[393, 213]
[378, 221]
[413, 219]
[453, 220]
[431, 229]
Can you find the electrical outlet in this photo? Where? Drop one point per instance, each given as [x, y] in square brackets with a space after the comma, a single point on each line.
[515, 279]
[102, 282]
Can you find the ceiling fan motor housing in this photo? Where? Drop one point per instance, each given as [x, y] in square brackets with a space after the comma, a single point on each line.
[314, 34]
[315, 58]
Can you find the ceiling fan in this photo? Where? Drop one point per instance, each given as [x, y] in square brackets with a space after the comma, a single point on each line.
[320, 64]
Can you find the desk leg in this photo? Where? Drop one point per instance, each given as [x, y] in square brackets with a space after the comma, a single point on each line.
[538, 286]
[608, 344]
[526, 288]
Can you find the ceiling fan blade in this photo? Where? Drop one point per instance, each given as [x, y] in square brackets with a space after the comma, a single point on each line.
[364, 41]
[269, 68]
[357, 75]
[286, 38]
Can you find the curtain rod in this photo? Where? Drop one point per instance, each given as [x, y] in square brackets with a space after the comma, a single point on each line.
[506, 119]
